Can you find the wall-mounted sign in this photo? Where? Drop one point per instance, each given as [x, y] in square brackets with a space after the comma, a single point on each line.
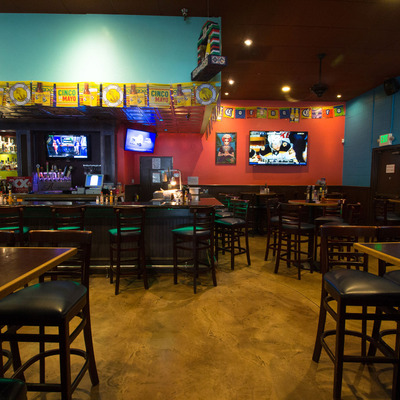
[386, 139]
[390, 168]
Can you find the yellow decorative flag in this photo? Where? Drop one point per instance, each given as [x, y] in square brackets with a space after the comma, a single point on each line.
[43, 93]
[66, 94]
[113, 95]
[159, 95]
[294, 115]
[305, 112]
[182, 94]
[136, 94]
[20, 93]
[229, 112]
[273, 113]
[3, 89]
[89, 94]
[206, 94]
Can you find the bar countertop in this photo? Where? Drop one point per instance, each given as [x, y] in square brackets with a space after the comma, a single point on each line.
[159, 203]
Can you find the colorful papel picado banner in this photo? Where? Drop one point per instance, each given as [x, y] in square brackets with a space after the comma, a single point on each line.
[294, 114]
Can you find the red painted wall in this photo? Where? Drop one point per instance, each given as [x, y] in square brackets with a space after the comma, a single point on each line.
[194, 154]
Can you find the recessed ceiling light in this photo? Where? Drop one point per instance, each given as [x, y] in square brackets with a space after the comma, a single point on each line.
[339, 96]
[231, 81]
[226, 94]
[248, 42]
[285, 89]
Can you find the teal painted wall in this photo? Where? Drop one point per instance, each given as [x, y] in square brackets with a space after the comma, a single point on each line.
[367, 117]
[98, 48]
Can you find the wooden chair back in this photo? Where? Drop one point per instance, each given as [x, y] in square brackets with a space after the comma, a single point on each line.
[76, 268]
[68, 217]
[337, 246]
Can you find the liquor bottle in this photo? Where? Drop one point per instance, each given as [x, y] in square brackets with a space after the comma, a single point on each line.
[101, 198]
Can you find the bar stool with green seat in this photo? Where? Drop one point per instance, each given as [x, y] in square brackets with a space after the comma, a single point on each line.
[12, 219]
[68, 217]
[198, 240]
[59, 310]
[229, 232]
[127, 245]
[12, 389]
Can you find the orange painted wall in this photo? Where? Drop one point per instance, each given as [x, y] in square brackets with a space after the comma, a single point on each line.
[194, 154]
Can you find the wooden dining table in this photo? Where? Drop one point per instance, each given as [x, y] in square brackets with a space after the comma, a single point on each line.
[20, 265]
[385, 252]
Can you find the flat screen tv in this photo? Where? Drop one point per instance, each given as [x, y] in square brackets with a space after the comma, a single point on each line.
[140, 140]
[67, 146]
[278, 147]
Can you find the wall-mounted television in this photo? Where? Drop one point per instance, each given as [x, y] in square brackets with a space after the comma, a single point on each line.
[140, 140]
[66, 145]
[278, 147]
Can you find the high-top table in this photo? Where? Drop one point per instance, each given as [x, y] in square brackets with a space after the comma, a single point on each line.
[385, 252]
[20, 265]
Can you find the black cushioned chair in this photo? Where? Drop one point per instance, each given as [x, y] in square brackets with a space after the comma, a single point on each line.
[385, 213]
[349, 292]
[56, 304]
[231, 231]
[127, 244]
[294, 232]
[68, 217]
[12, 389]
[196, 239]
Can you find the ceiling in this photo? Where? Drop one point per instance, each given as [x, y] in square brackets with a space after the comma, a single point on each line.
[361, 40]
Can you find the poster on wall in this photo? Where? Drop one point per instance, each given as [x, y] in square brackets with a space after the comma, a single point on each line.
[226, 148]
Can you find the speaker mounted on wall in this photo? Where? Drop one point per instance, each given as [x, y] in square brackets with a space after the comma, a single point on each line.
[391, 86]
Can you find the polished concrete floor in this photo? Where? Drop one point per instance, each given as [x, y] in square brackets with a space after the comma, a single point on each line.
[249, 338]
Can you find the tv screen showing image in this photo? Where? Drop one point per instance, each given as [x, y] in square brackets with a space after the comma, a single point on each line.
[139, 140]
[67, 146]
[94, 181]
[278, 147]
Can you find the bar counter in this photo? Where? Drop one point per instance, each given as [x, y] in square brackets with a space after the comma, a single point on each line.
[161, 218]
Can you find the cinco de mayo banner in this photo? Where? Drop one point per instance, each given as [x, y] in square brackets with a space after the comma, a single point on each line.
[136, 94]
[89, 94]
[93, 94]
[67, 94]
[159, 96]
[43, 93]
[113, 95]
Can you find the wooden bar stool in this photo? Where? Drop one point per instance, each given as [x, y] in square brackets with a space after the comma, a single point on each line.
[349, 293]
[272, 226]
[293, 234]
[12, 219]
[196, 239]
[127, 243]
[12, 389]
[229, 232]
[55, 304]
[68, 217]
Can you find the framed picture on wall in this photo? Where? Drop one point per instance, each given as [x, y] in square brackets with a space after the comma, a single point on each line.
[225, 149]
